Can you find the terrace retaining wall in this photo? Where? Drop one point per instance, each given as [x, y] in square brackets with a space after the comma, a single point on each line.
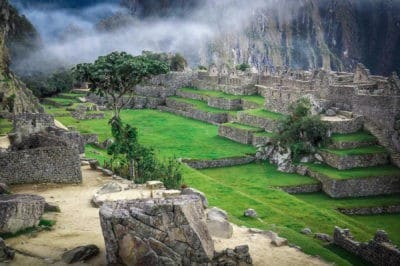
[256, 121]
[378, 251]
[198, 115]
[353, 161]
[308, 188]
[357, 187]
[236, 134]
[352, 144]
[391, 209]
[216, 163]
[225, 104]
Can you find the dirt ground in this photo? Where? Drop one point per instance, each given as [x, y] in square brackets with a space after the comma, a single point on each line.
[78, 224]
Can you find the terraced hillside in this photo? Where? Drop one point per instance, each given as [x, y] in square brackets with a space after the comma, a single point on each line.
[254, 185]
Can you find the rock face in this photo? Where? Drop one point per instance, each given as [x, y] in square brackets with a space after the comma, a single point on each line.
[193, 191]
[168, 231]
[6, 253]
[82, 253]
[238, 256]
[4, 189]
[18, 212]
[218, 224]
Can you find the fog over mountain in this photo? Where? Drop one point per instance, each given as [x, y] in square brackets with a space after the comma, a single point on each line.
[303, 34]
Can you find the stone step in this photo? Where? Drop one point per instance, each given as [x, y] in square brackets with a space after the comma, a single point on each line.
[344, 125]
[351, 141]
[260, 118]
[355, 158]
[238, 132]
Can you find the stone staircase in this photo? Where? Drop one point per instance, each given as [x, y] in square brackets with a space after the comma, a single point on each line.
[384, 141]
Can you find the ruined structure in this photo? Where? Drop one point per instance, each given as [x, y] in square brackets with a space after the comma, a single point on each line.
[41, 153]
[378, 251]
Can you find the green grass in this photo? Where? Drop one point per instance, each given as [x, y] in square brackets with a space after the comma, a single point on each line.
[357, 151]
[277, 211]
[385, 170]
[265, 134]
[265, 114]
[168, 134]
[62, 101]
[261, 174]
[388, 222]
[71, 95]
[6, 126]
[244, 127]
[219, 94]
[324, 201]
[361, 136]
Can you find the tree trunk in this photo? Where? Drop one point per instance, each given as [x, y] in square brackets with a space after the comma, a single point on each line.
[132, 170]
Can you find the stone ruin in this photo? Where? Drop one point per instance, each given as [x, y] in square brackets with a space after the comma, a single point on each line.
[378, 251]
[169, 231]
[40, 152]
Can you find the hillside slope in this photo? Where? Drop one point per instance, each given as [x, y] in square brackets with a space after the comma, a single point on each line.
[14, 96]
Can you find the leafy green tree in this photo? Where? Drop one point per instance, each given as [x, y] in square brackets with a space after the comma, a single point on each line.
[301, 131]
[243, 67]
[114, 76]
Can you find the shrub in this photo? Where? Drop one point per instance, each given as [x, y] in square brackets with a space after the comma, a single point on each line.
[301, 131]
[200, 67]
[243, 67]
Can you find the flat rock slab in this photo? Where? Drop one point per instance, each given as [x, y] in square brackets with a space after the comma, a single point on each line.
[81, 253]
[166, 231]
[19, 212]
[154, 184]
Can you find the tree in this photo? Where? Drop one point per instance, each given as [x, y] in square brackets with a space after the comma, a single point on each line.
[114, 76]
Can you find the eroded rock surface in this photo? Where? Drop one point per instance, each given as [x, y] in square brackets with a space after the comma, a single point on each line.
[169, 231]
[18, 212]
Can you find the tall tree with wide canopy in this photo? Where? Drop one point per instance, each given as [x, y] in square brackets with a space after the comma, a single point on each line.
[115, 75]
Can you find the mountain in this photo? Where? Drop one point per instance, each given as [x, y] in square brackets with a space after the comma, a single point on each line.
[18, 34]
[334, 34]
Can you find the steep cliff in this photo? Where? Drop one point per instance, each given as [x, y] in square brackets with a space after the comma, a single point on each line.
[334, 34]
[16, 33]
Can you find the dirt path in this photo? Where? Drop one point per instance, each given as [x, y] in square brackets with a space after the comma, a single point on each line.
[78, 224]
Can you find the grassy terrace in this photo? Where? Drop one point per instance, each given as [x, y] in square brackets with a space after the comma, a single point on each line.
[265, 114]
[5, 126]
[252, 98]
[249, 186]
[361, 136]
[386, 170]
[357, 151]
[62, 101]
[71, 95]
[202, 106]
[244, 127]
[262, 174]
[169, 134]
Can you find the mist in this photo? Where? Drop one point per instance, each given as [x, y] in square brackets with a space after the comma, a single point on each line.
[71, 36]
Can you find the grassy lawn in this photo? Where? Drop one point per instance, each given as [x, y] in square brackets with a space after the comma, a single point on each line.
[71, 95]
[244, 127]
[357, 151]
[62, 101]
[265, 134]
[254, 98]
[5, 126]
[361, 136]
[385, 170]
[265, 114]
[388, 222]
[277, 211]
[262, 174]
[168, 134]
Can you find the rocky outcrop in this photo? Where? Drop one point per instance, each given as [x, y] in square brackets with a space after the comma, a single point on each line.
[168, 231]
[18, 212]
[82, 253]
[6, 253]
[218, 224]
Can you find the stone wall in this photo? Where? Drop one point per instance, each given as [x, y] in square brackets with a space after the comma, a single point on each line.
[41, 165]
[353, 161]
[391, 209]
[309, 188]
[236, 134]
[345, 126]
[378, 251]
[225, 104]
[198, 115]
[216, 163]
[357, 187]
[352, 144]
[29, 123]
[90, 138]
[260, 140]
[256, 121]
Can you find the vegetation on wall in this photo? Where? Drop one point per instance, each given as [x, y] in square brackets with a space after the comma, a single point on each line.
[301, 131]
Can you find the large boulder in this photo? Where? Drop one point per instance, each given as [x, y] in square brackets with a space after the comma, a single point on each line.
[218, 224]
[18, 212]
[165, 231]
[192, 191]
